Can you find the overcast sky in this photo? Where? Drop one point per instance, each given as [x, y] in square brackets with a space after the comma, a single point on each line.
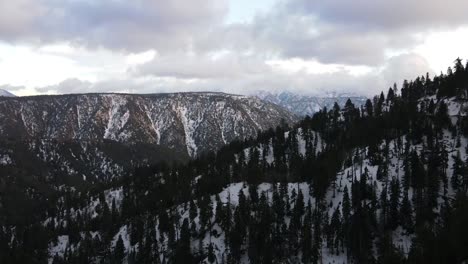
[236, 46]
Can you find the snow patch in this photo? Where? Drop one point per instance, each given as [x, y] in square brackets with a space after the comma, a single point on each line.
[117, 120]
[5, 159]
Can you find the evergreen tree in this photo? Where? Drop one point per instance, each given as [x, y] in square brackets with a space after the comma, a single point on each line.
[119, 251]
[183, 252]
[394, 216]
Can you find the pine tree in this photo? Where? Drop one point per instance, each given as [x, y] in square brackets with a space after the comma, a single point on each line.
[236, 235]
[306, 236]
[369, 108]
[119, 251]
[384, 214]
[406, 213]
[346, 206]
[458, 171]
[210, 253]
[183, 252]
[193, 211]
[395, 194]
[336, 228]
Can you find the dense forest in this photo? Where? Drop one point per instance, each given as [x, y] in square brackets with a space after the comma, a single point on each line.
[383, 183]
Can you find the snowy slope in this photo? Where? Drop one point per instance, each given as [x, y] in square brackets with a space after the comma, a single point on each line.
[334, 197]
[394, 152]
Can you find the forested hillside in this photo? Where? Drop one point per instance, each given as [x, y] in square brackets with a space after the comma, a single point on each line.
[303, 105]
[383, 183]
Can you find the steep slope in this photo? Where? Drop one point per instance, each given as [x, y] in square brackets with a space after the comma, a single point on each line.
[197, 122]
[303, 105]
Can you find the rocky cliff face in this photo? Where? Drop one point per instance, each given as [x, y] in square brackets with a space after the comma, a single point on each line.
[196, 122]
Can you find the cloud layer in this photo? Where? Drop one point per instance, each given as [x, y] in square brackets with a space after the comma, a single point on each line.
[195, 49]
[115, 24]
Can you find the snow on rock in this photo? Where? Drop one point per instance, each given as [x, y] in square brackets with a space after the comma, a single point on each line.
[197, 122]
[118, 118]
[190, 127]
[114, 195]
[59, 247]
[5, 159]
[124, 234]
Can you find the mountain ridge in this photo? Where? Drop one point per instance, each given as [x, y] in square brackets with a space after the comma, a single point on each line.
[130, 118]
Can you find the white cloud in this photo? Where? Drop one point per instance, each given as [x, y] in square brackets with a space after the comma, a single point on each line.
[386, 15]
[24, 66]
[155, 46]
[140, 58]
[193, 66]
[441, 49]
[340, 79]
[120, 25]
[405, 67]
[15, 21]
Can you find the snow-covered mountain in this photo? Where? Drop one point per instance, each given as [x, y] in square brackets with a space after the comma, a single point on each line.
[6, 93]
[303, 105]
[196, 122]
[98, 137]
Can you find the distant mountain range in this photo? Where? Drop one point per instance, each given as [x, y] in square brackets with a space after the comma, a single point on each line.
[303, 105]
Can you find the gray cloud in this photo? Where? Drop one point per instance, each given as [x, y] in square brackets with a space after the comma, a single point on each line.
[77, 86]
[310, 30]
[11, 88]
[206, 66]
[124, 25]
[385, 15]
[333, 31]
[405, 67]
[69, 86]
[345, 32]
[289, 33]
[313, 84]
[361, 31]
[15, 22]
